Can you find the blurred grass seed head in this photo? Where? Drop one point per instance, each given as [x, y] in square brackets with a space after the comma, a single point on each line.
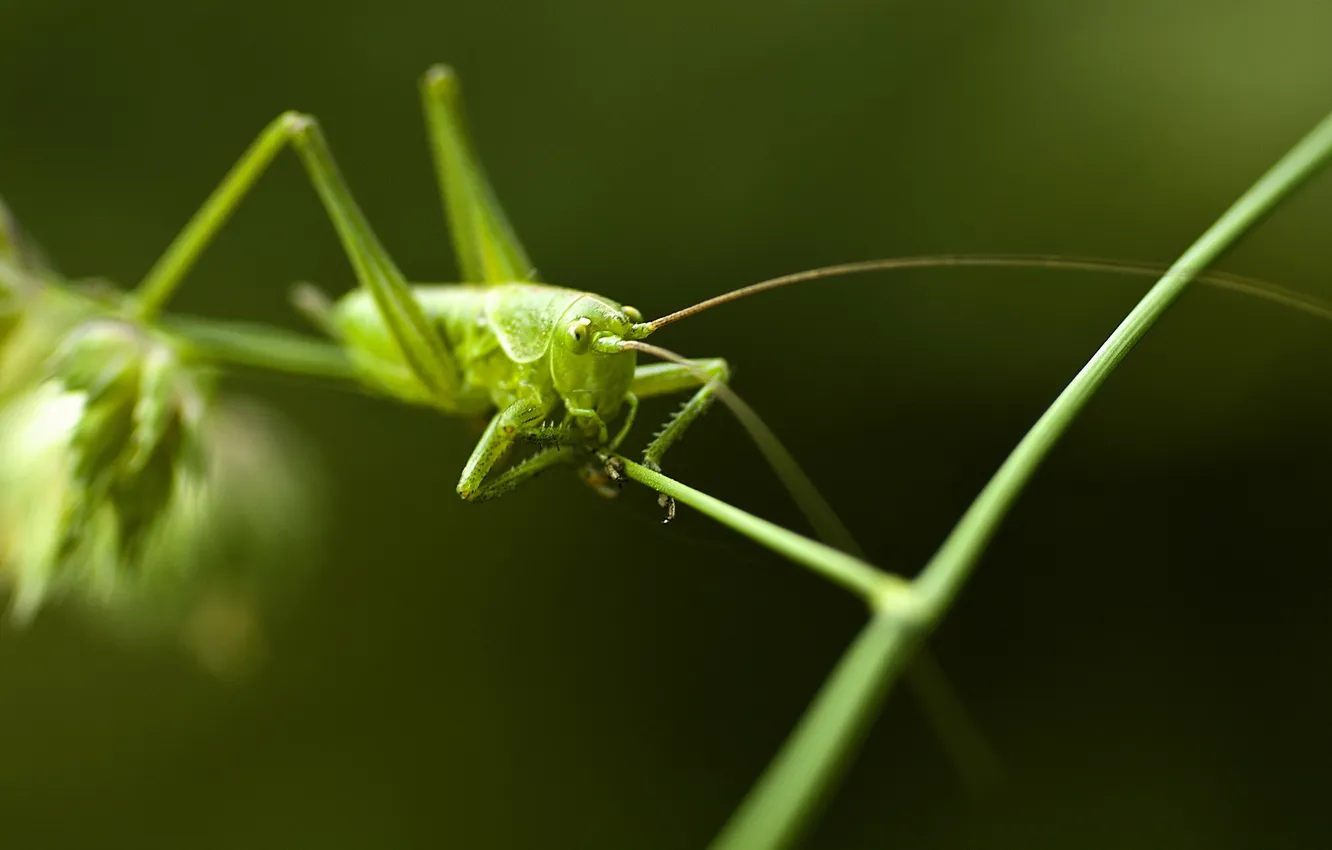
[125, 485]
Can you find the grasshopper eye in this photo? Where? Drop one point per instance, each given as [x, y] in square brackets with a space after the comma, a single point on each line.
[580, 335]
[632, 314]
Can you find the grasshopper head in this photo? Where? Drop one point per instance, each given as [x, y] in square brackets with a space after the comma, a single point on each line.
[590, 370]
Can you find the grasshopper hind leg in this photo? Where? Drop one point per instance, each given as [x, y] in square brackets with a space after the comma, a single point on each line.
[375, 270]
[487, 248]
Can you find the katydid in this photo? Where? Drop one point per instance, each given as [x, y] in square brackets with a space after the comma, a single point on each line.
[558, 366]
[500, 342]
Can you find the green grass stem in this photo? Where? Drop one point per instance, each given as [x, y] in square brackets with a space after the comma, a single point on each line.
[783, 804]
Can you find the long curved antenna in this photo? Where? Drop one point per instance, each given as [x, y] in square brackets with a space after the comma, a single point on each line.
[1223, 280]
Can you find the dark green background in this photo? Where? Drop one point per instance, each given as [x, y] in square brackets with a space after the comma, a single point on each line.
[1147, 644]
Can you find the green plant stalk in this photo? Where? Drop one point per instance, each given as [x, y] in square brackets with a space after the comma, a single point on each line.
[783, 803]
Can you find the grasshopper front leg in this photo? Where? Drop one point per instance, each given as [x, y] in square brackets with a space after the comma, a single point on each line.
[662, 378]
[520, 472]
[504, 429]
[565, 443]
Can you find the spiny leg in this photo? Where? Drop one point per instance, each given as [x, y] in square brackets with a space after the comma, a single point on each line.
[421, 346]
[663, 378]
[504, 429]
[523, 420]
[525, 469]
[487, 248]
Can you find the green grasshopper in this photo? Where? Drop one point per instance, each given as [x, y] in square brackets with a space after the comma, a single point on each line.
[557, 365]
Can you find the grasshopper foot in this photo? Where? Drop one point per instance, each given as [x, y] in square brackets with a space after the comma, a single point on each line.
[614, 469]
[668, 505]
[666, 502]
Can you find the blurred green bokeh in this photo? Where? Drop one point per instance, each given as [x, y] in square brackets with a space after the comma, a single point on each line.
[1146, 645]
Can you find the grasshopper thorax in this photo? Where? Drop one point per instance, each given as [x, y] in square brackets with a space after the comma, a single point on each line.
[590, 373]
